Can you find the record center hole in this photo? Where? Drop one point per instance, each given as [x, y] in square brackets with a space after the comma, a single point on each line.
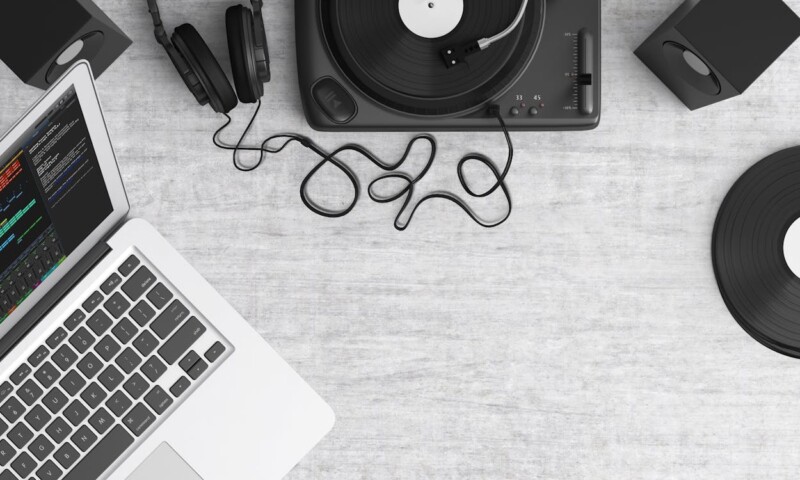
[791, 248]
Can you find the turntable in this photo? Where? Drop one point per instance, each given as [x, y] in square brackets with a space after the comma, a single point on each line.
[404, 65]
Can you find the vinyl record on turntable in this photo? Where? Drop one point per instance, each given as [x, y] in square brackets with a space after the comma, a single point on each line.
[391, 49]
[756, 251]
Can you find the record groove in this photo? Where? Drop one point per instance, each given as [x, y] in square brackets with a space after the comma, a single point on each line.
[758, 287]
[403, 71]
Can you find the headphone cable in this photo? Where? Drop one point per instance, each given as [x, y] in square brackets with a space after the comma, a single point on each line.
[390, 168]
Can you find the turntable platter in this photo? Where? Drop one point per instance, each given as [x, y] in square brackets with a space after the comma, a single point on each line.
[399, 69]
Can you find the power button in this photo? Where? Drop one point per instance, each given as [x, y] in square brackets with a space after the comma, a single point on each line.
[334, 100]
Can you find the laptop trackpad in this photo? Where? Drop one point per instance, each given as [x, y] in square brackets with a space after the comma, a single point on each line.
[164, 463]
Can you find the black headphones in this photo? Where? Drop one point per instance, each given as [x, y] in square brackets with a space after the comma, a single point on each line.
[201, 72]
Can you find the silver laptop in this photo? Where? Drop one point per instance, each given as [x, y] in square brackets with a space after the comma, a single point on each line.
[118, 359]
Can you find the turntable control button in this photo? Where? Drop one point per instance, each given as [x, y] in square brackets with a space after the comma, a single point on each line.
[334, 100]
[533, 111]
[514, 111]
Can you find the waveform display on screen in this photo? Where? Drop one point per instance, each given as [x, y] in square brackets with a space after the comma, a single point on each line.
[10, 173]
[23, 217]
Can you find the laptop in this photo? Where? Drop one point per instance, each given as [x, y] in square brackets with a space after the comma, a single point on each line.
[117, 359]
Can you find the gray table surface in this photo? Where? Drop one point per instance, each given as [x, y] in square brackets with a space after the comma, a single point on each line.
[584, 339]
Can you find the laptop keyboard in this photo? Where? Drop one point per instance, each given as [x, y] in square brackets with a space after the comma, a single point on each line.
[104, 378]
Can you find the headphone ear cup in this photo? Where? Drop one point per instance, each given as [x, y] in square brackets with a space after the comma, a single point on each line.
[188, 75]
[200, 59]
[241, 46]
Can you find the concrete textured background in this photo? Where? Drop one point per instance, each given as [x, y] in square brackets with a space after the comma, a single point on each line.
[584, 339]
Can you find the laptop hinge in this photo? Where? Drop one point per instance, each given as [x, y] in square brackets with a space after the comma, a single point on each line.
[53, 297]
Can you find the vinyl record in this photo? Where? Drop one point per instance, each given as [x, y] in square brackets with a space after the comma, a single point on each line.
[404, 71]
[759, 288]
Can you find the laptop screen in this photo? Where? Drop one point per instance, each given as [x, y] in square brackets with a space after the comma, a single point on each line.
[52, 196]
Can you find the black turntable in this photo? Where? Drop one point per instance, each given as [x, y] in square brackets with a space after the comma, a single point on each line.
[363, 65]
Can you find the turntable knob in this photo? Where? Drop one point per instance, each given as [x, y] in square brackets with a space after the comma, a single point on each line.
[586, 48]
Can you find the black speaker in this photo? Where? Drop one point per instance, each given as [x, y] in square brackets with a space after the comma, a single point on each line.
[712, 50]
[40, 39]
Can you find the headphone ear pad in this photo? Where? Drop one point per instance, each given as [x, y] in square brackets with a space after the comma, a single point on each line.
[241, 46]
[194, 49]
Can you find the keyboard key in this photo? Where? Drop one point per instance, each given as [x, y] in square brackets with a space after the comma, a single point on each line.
[7, 452]
[40, 447]
[145, 343]
[125, 330]
[184, 338]
[20, 435]
[93, 395]
[169, 319]
[5, 390]
[47, 374]
[23, 465]
[128, 265]
[37, 418]
[111, 377]
[58, 430]
[128, 360]
[72, 383]
[101, 420]
[3, 427]
[48, 471]
[93, 301]
[179, 387]
[140, 282]
[119, 403]
[107, 347]
[90, 365]
[84, 438]
[55, 400]
[197, 369]
[7, 475]
[216, 351]
[158, 400]
[117, 305]
[189, 360]
[159, 296]
[64, 357]
[138, 419]
[99, 322]
[111, 283]
[38, 356]
[153, 368]
[12, 409]
[56, 337]
[81, 340]
[75, 319]
[66, 457]
[104, 453]
[76, 412]
[20, 374]
[136, 386]
[29, 392]
[142, 313]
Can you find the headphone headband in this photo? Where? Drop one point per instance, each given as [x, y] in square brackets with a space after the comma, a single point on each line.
[160, 32]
